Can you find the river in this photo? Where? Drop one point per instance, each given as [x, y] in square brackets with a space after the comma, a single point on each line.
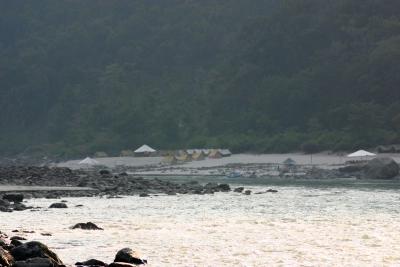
[307, 223]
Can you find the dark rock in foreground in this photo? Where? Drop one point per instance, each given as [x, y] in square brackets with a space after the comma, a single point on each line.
[381, 168]
[92, 263]
[34, 249]
[86, 226]
[128, 255]
[35, 262]
[36, 254]
[121, 264]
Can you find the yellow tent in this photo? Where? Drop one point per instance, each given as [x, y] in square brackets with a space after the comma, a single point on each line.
[215, 154]
[170, 160]
[198, 155]
[184, 158]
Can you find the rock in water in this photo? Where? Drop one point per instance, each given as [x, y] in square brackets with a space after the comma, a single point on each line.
[381, 168]
[239, 190]
[224, 187]
[35, 249]
[16, 198]
[6, 259]
[128, 255]
[86, 226]
[272, 191]
[247, 192]
[58, 206]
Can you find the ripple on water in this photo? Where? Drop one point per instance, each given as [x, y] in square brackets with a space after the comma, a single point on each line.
[333, 227]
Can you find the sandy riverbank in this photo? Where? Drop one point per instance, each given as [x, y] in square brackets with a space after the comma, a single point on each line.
[259, 165]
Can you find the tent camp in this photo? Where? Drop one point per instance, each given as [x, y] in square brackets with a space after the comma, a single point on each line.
[89, 162]
[361, 153]
[144, 151]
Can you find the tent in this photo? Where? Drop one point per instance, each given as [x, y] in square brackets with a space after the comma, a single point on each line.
[184, 158]
[361, 153]
[89, 162]
[198, 155]
[170, 159]
[190, 151]
[289, 162]
[206, 151]
[225, 152]
[215, 154]
[144, 151]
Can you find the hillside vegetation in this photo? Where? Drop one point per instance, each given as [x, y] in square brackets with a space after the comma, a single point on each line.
[268, 76]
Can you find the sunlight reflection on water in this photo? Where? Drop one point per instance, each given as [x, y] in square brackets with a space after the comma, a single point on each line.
[296, 226]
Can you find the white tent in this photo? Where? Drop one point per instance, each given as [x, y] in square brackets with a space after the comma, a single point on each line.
[89, 161]
[145, 149]
[361, 153]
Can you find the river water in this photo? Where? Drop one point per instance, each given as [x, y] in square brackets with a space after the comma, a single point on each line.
[307, 223]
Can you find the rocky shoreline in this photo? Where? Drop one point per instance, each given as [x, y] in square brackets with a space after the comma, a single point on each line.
[101, 183]
[104, 182]
[14, 252]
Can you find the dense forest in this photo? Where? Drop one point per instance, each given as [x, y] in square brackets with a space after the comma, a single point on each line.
[262, 75]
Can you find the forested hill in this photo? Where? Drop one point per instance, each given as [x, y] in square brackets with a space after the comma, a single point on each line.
[262, 75]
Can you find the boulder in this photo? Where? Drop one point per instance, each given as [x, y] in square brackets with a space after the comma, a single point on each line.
[5, 209]
[104, 172]
[6, 259]
[128, 255]
[34, 249]
[17, 238]
[238, 189]
[351, 168]
[272, 191]
[16, 198]
[16, 243]
[121, 264]
[224, 187]
[86, 226]
[247, 192]
[91, 263]
[58, 206]
[4, 203]
[20, 206]
[381, 168]
[3, 243]
[36, 262]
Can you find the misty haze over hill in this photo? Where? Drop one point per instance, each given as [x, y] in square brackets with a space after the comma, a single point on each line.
[83, 76]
